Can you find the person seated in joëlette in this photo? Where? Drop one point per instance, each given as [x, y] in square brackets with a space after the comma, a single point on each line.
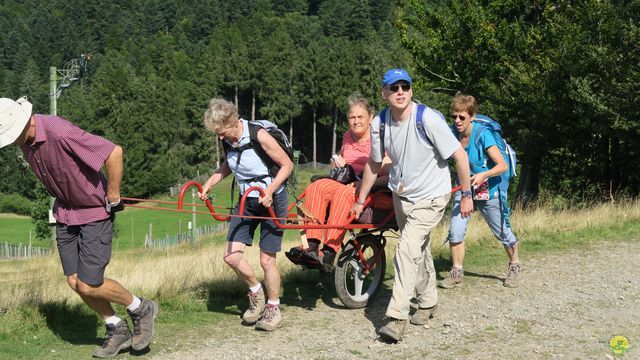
[327, 193]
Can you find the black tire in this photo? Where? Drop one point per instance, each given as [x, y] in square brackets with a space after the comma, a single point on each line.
[354, 288]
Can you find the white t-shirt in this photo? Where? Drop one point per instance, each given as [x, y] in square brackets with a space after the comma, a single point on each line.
[420, 167]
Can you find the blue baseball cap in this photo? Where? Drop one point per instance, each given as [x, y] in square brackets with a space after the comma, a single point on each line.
[395, 75]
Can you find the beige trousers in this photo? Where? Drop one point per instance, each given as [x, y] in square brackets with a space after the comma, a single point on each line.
[415, 275]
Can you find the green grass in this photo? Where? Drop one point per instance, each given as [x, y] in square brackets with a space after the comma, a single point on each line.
[15, 229]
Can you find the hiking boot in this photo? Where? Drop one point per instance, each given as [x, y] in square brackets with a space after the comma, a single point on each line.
[257, 302]
[454, 278]
[513, 275]
[393, 330]
[143, 318]
[118, 338]
[422, 315]
[321, 259]
[271, 318]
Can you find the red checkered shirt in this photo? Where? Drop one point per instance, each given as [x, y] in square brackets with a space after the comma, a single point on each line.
[68, 162]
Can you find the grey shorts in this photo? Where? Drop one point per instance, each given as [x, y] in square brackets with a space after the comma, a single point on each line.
[85, 249]
[242, 229]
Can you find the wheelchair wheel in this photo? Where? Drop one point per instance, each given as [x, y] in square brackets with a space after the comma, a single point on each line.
[355, 287]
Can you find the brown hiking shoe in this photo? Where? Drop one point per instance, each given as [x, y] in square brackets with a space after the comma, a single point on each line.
[422, 316]
[513, 275]
[393, 330]
[454, 278]
[143, 318]
[118, 338]
[271, 318]
[257, 302]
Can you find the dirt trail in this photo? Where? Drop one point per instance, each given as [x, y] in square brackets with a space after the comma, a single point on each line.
[567, 307]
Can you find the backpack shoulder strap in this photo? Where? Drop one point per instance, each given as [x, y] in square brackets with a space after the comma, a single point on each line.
[226, 147]
[478, 133]
[253, 132]
[254, 143]
[383, 125]
[420, 123]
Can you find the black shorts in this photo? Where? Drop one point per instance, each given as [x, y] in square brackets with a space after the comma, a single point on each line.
[85, 249]
[242, 229]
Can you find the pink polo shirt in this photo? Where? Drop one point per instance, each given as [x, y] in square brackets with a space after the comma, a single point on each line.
[68, 162]
[355, 154]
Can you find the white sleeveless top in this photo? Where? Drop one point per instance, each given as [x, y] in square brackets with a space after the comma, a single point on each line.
[250, 166]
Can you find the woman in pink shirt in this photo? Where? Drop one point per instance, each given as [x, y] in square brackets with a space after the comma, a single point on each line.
[355, 149]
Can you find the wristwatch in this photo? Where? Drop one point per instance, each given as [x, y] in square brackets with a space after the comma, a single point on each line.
[467, 193]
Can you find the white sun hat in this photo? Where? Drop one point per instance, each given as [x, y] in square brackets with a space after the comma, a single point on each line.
[14, 116]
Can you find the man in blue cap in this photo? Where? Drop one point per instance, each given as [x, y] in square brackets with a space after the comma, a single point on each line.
[419, 149]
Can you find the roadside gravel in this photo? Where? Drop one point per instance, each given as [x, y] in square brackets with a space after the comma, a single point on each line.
[568, 306]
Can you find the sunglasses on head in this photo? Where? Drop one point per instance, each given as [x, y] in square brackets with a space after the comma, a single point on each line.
[455, 116]
[394, 88]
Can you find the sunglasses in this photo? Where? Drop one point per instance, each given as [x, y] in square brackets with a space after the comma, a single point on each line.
[395, 88]
[455, 116]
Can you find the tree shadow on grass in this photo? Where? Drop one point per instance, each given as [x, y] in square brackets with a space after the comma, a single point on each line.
[441, 265]
[306, 291]
[75, 324]
[224, 296]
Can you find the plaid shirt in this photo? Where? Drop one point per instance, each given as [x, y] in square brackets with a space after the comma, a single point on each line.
[68, 160]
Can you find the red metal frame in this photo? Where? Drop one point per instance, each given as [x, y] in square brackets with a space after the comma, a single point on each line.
[306, 223]
[279, 222]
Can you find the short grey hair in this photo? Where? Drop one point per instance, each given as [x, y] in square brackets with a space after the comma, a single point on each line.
[357, 99]
[220, 114]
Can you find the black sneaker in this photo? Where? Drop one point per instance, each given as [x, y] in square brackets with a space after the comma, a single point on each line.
[296, 254]
[118, 338]
[321, 259]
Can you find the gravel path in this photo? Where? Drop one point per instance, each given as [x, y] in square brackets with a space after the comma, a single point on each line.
[567, 307]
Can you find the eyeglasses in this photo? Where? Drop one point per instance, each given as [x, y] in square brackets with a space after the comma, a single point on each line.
[455, 116]
[396, 87]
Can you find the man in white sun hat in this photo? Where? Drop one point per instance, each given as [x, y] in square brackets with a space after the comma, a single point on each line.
[68, 162]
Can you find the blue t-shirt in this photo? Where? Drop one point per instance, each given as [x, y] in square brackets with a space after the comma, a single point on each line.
[479, 159]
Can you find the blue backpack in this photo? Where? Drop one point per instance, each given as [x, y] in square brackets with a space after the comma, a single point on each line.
[419, 124]
[507, 151]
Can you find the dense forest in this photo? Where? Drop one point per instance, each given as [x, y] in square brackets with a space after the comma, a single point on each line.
[562, 77]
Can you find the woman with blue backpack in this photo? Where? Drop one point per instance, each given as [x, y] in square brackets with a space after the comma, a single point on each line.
[492, 164]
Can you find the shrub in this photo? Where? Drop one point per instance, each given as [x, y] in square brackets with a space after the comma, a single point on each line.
[14, 203]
